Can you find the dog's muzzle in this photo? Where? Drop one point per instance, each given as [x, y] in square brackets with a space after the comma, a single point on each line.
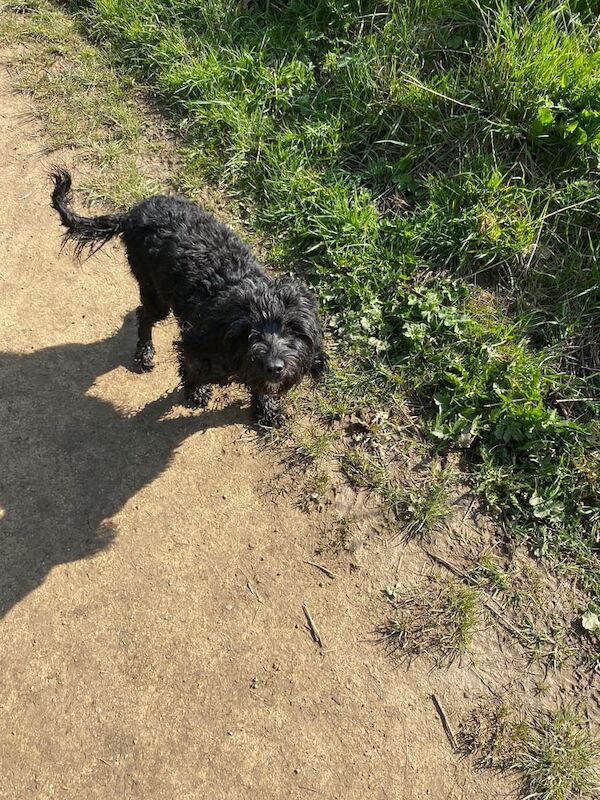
[273, 389]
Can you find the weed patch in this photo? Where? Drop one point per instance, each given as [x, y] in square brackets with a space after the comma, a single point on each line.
[553, 753]
[437, 619]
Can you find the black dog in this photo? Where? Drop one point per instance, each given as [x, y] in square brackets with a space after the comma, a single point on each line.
[237, 323]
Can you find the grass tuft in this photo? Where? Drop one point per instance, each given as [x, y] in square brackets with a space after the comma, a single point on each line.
[559, 758]
[313, 445]
[437, 619]
[554, 753]
[488, 574]
[427, 505]
[421, 506]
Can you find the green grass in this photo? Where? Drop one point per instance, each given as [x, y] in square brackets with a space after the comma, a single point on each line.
[554, 753]
[489, 574]
[559, 759]
[84, 101]
[493, 733]
[420, 502]
[431, 167]
[313, 445]
[436, 619]
[427, 504]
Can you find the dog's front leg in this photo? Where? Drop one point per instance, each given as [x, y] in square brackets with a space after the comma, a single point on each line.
[196, 391]
[197, 396]
[267, 411]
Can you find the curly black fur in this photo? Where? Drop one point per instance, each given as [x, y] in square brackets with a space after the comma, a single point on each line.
[237, 323]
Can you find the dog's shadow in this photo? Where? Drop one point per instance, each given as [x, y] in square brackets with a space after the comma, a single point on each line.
[69, 461]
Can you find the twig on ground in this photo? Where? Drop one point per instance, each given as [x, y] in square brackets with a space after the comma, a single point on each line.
[445, 723]
[327, 572]
[251, 587]
[448, 565]
[314, 631]
[415, 82]
[469, 508]
[254, 591]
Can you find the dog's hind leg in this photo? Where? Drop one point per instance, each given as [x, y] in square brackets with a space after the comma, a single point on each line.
[151, 311]
[267, 411]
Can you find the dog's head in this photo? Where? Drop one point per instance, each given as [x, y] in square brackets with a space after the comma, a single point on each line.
[279, 336]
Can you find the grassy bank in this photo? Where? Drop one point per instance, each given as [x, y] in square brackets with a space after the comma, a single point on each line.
[432, 168]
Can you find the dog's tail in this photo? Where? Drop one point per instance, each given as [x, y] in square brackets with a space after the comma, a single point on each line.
[86, 232]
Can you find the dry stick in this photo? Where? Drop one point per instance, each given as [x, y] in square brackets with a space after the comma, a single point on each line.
[448, 565]
[573, 205]
[445, 723]
[327, 572]
[537, 238]
[469, 508]
[314, 631]
[475, 671]
[251, 587]
[255, 615]
[254, 591]
[506, 624]
[415, 82]
[399, 564]
[574, 399]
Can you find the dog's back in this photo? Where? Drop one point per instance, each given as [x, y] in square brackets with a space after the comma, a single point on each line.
[177, 251]
[184, 249]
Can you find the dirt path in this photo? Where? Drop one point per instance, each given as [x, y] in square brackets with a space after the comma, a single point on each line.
[135, 662]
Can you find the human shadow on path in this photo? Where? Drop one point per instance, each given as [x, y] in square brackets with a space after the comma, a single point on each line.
[69, 461]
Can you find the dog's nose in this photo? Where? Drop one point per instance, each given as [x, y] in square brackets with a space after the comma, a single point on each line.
[275, 368]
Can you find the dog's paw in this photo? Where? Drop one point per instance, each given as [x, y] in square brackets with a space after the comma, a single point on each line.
[144, 356]
[267, 412]
[198, 397]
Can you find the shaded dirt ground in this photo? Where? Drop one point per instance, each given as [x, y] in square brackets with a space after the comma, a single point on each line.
[135, 661]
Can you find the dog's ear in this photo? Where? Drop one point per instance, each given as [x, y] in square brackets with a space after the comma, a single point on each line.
[233, 311]
[299, 304]
[320, 365]
[294, 294]
[301, 315]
